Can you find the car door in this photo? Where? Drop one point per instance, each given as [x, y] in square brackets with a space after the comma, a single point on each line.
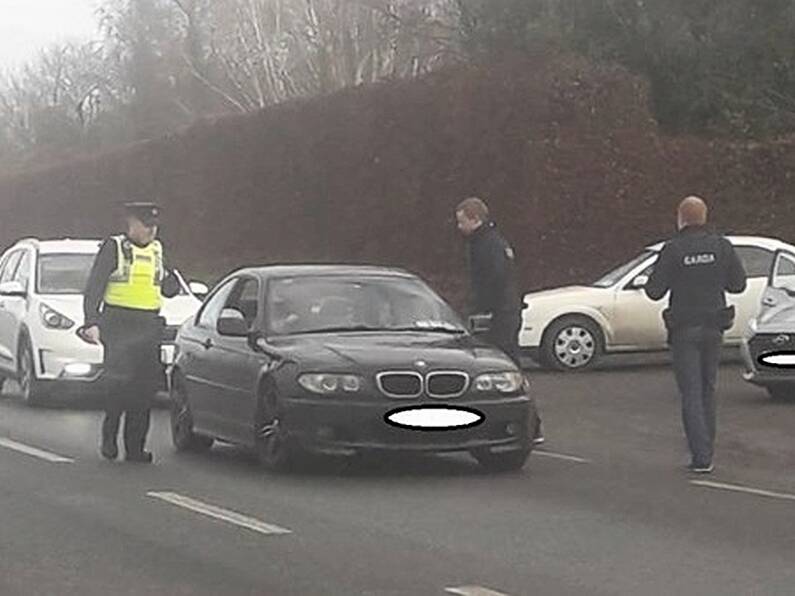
[637, 319]
[197, 361]
[757, 262]
[779, 292]
[8, 307]
[238, 365]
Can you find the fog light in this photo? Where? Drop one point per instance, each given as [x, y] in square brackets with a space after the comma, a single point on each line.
[77, 369]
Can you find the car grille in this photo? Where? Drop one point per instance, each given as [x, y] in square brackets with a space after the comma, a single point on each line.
[770, 342]
[400, 384]
[447, 384]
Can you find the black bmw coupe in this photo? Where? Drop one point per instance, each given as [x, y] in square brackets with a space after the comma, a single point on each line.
[340, 360]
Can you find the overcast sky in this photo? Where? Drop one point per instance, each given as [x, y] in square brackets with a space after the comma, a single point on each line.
[26, 26]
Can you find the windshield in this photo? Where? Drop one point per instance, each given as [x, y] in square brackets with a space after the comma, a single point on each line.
[332, 303]
[63, 273]
[612, 278]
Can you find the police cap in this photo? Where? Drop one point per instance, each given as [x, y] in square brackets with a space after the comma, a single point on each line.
[148, 213]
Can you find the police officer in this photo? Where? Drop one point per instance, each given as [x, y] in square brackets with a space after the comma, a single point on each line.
[698, 267]
[493, 280]
[121, 307]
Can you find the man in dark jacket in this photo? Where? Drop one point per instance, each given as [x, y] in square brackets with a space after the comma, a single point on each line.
[698, 267]
[493, 280]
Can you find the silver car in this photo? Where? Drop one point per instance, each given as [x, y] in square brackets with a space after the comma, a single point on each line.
[768, 347]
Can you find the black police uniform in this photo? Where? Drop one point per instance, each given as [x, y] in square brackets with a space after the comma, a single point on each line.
[491, 264]
[698, 267]
[494, 291]
[131, 340]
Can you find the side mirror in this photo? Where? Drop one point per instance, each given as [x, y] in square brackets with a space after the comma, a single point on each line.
[12, 288]
[639, 282]
[198, 289]
[480, 324]
[232, 323]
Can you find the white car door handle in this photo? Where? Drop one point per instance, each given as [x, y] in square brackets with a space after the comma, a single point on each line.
[769, 301]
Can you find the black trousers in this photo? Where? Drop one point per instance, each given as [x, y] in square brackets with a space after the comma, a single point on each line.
[504, 334]
[131, 373]
[696, 357]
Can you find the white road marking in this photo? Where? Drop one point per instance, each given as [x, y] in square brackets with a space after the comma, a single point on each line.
[35, 452]
[562, 456]
[220, 513]
[473, 591]
[744, 489]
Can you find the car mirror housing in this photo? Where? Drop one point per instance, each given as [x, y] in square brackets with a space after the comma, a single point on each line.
[480, 324]
[12, 288]
[232, 323]
[199, 289]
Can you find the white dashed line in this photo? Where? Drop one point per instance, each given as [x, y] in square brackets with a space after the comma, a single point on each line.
[219, 513]
[35, 452]
[473, 591]
[744, 489]
[563, 456]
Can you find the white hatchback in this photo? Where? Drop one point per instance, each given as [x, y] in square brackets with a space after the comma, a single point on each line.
[41, 307]
[569, 328]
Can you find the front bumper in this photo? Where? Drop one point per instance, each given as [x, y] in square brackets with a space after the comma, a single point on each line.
[340, 426]
[63, 357]
[756, 374]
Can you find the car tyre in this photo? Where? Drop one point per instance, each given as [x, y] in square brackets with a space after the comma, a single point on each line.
[572, 344]
[30, 388]
[276, 450]
[183, 436]
[509, 461]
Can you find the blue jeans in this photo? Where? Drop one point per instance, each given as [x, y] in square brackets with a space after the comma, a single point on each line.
[696, 356]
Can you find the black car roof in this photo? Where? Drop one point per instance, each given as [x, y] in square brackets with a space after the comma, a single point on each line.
[267, 271]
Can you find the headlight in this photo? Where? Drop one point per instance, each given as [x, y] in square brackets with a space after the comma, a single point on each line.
[326, 384]
[504, 382]
[52, 319]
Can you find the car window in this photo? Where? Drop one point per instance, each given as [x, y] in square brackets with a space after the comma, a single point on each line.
[756, 261]
[784, 273]
[245, 298]
[208, 315]
[310, 304]
[22, 274]
[10, 267]
[64, 273]
[613, 277]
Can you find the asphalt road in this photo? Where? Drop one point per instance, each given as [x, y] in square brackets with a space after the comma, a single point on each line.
[605, 508]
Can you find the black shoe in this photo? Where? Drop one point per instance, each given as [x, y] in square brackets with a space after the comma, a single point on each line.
[142, 457]
[700, 468]
[109, 449]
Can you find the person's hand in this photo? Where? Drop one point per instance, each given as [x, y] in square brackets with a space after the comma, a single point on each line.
[91, 334]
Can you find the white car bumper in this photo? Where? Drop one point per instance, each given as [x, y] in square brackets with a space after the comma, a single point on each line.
[62, 356]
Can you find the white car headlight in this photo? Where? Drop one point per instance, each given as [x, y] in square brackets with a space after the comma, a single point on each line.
[326, 384]
[504, 382]
[52, 319]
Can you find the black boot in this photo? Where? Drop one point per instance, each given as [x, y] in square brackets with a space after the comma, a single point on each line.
[109, 449]
[140, 457]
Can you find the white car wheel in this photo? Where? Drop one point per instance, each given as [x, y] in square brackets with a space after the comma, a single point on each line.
[572, 344]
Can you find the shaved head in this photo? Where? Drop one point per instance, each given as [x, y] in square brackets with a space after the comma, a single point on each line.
[692, 212]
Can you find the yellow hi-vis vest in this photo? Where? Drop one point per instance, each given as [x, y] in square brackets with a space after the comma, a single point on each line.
[139, 273]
